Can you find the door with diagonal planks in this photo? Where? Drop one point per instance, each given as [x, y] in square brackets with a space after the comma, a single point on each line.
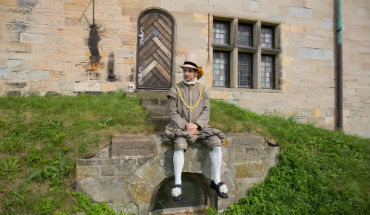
[154, 51]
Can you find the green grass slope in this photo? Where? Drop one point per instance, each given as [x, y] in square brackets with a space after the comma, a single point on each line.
[319, 171]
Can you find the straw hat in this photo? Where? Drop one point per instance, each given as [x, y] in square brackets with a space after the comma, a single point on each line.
[190, 62]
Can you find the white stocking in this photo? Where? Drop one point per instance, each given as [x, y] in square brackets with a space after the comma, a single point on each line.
[178, 164]
[216, 158]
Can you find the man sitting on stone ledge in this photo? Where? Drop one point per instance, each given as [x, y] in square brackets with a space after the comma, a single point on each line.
[189, 113]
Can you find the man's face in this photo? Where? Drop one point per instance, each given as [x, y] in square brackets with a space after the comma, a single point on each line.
[189, 74]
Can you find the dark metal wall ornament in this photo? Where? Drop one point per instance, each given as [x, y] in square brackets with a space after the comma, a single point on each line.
[93, 43]
[154, 62]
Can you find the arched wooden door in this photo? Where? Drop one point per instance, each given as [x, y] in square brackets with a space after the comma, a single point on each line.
[154, 50]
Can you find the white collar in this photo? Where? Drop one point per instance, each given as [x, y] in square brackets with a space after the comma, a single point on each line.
[190, 82]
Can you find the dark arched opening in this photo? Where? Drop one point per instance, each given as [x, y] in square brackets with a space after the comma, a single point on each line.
[197, 194]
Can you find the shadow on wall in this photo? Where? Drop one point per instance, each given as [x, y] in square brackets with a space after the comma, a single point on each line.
[110, 69]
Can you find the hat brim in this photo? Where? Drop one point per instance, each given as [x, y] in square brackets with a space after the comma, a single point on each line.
[189, 66]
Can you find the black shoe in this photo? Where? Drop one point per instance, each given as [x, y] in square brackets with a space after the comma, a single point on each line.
[218, 187]
[177, 196]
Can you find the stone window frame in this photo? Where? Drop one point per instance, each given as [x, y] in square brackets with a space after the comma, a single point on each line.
[256, 50]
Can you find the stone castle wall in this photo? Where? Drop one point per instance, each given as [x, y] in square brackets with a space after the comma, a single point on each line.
[43, 48]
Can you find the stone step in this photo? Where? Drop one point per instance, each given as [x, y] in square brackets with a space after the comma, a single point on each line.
[157, 111]
[181, 210]
[155, 102]
[148, 94]
[159, 122]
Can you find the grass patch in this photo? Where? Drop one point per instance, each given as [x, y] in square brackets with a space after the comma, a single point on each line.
[41, 138]
[319, 171]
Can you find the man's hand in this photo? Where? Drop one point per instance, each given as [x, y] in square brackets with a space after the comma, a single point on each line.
[192, 127]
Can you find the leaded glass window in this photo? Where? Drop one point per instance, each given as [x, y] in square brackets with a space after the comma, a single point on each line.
[245, 35]
[220, 69]
[267, 68]
[220, 33]
[267, 37]
[245, 70]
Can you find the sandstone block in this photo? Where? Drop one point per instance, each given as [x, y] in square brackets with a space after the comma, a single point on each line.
[300, 12]
[102, 189]
[15, 47]
[32, 38]
[14, 63]
[249, 169]
[4, 74]
[142, 146]
[87, 172]
[107, 171]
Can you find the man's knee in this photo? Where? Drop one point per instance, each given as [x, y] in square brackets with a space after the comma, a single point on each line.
[180, 143]
[213, 141]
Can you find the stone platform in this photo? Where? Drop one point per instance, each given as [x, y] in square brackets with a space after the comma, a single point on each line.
[135, 173]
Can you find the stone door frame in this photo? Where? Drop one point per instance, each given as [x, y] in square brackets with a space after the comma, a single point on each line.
[172, 19]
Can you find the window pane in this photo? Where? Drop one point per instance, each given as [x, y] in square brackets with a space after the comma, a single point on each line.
[245, 35]
[267, 70]
[220, 33]
[267, 37]
[244, 70]
[220, 69]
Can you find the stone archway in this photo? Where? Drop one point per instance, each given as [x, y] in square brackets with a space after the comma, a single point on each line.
[132, 169]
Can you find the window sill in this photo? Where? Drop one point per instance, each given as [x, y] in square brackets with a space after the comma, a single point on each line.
[244, 89]
[270, 51]
[248, 49]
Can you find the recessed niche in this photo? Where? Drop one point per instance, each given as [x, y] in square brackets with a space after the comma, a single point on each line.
[194, 190]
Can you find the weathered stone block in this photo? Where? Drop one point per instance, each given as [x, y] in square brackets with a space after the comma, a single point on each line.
[14, 93]
[249, 169]
[8, 3]
[32, 38]
[15, 85]
[300, 12]
[4, 74]
[107, 171]
[140, 190]
[26, 3]
[102, 189]
[87, 172]
[138, 146]
[86, 86]
[250, 140]
[155, 111]
[86, 162]
[15, 47]
[125, 170]
[247, 154]
[14, 63]
[154, 101]
[128, 208]
[315, 53]
[38, 75]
